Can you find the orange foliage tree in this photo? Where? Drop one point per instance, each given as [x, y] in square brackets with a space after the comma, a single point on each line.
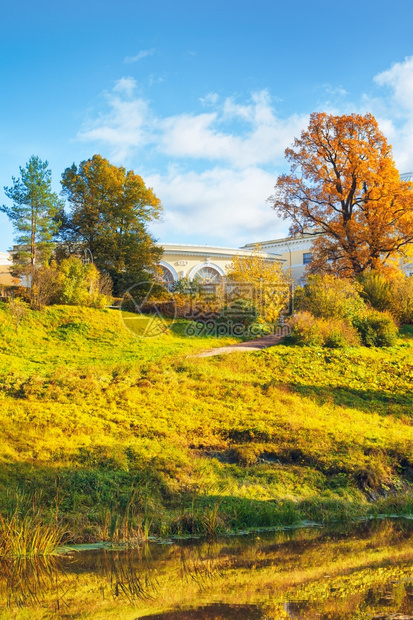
[344, 184]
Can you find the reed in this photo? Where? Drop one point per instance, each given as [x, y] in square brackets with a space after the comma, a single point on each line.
[27, 536]
[126, 521]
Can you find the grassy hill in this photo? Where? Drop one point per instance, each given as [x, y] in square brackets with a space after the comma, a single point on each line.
[108, 434]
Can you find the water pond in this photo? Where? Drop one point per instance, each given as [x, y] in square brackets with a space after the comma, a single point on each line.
[363, 573]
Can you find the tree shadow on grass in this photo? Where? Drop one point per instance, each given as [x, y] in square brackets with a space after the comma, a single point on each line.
[406, 331]
[367, 401]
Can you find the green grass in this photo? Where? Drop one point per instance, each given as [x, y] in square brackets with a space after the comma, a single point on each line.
[110, 434]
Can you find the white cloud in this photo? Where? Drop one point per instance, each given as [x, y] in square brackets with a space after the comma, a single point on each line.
[399, 78]
[395, 111]
[224, 199]
[139, 56]
[231, 147]
[125, 86]
[211, 99]
[194, 136]
[123, 129]
[335, 91]
[263, 141]
[223, 205]
[222, 159]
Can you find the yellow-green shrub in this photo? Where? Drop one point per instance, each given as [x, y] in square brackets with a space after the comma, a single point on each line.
[306, 329]
[81, 284]
[377, 329]
[402, 300]
[391, 293]
[376, 289]
[330, 297]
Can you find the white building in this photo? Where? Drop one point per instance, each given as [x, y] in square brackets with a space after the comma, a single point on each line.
[207, 264]
[294, 251]
[6, 278]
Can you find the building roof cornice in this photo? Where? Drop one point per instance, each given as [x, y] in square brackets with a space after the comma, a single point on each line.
[208, 250]
[285, 240]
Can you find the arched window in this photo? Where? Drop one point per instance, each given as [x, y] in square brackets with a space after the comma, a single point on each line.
[165, 276]
[207, 275]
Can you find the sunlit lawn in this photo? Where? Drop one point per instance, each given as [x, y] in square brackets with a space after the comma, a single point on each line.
[98, 421]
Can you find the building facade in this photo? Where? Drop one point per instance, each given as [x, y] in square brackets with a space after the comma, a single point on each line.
[6, 279]
[203, 263]
[294, 251]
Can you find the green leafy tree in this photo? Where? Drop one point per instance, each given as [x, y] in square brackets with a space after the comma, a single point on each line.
[110, 210]
[33, 215]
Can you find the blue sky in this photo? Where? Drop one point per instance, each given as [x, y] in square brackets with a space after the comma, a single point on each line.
[198, 97]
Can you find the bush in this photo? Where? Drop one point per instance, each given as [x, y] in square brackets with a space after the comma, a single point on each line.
[391, 293]
[306, 329]
[260, 280]
[257, 329]
[82, 284]
[339, 334]
[329, 297]
[19, 291]
[18, 309]
[184, 286]
[401, 305]
[45, 285]
[241, 311]
[377, 329]
[376, 290]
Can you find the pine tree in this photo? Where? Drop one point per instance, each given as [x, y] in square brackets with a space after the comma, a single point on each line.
[33, 215]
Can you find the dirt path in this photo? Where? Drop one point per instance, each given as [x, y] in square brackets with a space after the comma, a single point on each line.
[251, 345]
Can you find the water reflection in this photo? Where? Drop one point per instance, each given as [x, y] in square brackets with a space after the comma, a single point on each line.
[212, 612]
[23, 581]
[366, 573]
